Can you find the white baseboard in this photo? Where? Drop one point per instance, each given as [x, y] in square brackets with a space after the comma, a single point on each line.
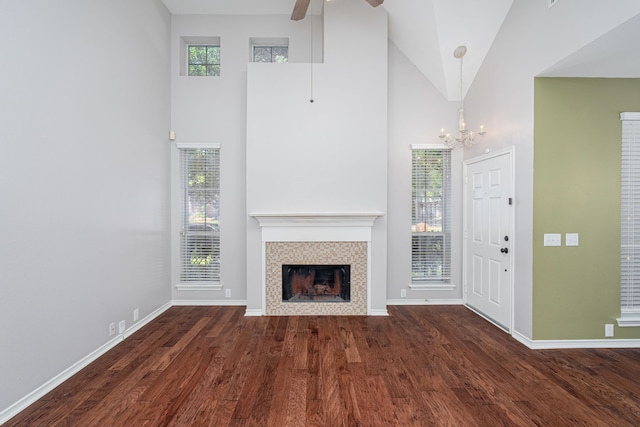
[562, 344]
[252, 312]
[259, 312]
[423, 301]
[213, 302]
[54, 382]
[45, 388]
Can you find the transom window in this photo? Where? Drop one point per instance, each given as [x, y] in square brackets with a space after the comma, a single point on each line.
[203, 60]
[431, 216]
[270, 54]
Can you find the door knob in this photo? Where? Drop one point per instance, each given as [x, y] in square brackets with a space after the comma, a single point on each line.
[504, 250]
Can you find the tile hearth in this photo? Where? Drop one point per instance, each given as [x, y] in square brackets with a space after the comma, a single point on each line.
[348, 253]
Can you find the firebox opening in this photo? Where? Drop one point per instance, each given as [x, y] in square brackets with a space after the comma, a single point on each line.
[316, 283]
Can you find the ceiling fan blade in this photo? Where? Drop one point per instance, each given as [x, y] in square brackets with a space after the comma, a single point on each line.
[375, 3]
[300, 9]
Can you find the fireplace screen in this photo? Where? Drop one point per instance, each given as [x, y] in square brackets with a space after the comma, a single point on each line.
[316, 283]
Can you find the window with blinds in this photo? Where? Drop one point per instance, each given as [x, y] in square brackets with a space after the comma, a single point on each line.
[200, 210]
[431, 215]
[630, 221]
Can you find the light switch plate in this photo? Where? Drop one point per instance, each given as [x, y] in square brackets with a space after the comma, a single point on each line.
[572, 239]
[552, 239]
[608, 330]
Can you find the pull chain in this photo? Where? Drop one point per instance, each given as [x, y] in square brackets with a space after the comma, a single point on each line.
[311, 59]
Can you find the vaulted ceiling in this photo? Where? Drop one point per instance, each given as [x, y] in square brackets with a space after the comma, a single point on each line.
[428, 31]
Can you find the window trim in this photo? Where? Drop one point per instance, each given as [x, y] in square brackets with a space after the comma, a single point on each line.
[186, 41]
[445, 284]
[186, 285]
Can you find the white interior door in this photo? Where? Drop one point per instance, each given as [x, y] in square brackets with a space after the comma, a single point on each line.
[488, 240]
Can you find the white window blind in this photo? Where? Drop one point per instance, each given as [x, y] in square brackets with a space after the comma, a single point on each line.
[431, 216]
[630, 221]
[200, 210]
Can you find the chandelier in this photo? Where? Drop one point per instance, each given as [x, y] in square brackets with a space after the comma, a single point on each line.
[464, 136]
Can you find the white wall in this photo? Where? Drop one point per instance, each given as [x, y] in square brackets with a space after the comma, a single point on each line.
[329, 155]
[84, 182]
[213, 109]
[417, 112]
[531, 40]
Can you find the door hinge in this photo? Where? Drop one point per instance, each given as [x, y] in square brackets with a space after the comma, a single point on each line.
[510, 201]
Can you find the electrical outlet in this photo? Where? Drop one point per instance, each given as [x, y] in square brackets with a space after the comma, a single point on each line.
[122, 326]
[227, 293]
[136, 315]
[112, 328]
[608, 330]
[403, 293]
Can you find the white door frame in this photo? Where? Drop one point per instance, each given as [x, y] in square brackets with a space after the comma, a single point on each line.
[510, 151]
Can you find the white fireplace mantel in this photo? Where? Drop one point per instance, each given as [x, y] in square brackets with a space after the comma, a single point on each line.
[327, 228]
[292, 219]
[316, 227]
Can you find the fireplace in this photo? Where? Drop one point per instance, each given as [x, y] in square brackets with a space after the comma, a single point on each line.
[316, 283]
[303, 256]
[327, 255]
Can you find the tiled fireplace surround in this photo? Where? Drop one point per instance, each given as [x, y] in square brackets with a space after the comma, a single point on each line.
[328, 238]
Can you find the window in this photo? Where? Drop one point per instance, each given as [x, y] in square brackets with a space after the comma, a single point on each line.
[203, 60]
[431, 216]
[630, 221]
[200, 210]
[270, 54]
[269, 49]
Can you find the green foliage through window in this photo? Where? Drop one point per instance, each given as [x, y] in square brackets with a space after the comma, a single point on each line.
[204, 60]
[430, 212]
[200, 258]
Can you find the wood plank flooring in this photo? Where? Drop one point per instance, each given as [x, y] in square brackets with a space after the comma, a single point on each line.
[421, 366]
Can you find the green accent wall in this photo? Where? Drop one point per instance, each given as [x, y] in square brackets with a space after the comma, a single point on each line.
[577, 146]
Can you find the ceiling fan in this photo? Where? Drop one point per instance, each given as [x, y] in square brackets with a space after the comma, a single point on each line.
[301, 6]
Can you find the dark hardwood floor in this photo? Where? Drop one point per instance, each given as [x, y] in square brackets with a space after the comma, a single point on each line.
[421, 366]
